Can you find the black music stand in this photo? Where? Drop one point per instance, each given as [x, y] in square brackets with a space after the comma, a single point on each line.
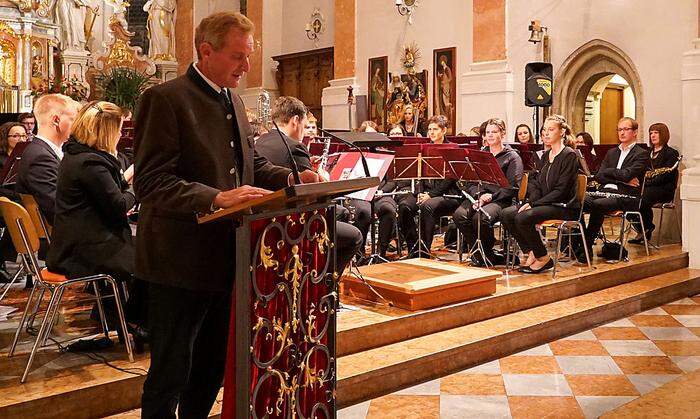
[420, 162]
[483, 169]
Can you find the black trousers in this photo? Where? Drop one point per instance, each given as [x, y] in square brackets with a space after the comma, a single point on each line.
[385, 208]
[348, 242]
[599, 207]
[361, 217]
[654, 195]
[188, 335]
[522, 225]
[466, 219]
[431, 211]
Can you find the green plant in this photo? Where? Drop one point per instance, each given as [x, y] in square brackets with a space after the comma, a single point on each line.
[122, 86]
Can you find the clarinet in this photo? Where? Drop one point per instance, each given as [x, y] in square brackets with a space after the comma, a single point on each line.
[324, 156]
[598, 194]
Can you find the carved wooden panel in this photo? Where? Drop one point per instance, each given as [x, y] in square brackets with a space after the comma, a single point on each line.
[304, 75]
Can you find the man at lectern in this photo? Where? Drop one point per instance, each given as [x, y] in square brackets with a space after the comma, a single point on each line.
[194, 154]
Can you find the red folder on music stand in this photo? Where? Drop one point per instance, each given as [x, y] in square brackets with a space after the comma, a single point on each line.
[349, 166]
[486, 167]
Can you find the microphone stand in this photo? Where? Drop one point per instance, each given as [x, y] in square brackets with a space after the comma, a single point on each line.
[292, 162]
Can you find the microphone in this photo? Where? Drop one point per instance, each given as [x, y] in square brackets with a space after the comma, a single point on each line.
[292, 162]
[348, 143]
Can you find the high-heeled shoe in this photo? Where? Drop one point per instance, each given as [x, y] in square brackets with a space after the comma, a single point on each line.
[529, 270]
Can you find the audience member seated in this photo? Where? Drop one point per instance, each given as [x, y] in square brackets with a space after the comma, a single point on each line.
[38, 168]
[11, 133]
[409, 124]
[552, 185]
[621, 172]
[523, 135]
[492, 198]
[660, 186]
[289, 113]
[431, 200]
[29, 122]
[91, 233]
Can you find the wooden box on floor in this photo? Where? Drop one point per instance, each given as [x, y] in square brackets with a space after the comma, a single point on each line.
[417, 284]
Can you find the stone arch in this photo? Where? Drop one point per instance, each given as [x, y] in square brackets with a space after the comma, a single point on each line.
[582, 69]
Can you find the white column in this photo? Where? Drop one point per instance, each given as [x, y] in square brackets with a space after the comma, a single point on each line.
[690, 182]
[486, 91]
[334, 101]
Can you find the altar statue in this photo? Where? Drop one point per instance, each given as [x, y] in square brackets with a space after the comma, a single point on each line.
[161, 29]
[70, 16]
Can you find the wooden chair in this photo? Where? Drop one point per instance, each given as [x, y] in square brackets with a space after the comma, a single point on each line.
[509, 242]
[26, 241]
[669, 206]
[563, 226]
[43, 229]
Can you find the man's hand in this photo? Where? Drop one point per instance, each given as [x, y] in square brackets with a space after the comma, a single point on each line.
[307, 176]
[239, 195]
[524, 207]
[422, 197]
[483, 200]
[634, 182]
[129, 174]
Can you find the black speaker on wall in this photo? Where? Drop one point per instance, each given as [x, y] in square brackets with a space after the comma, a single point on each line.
[538, 84]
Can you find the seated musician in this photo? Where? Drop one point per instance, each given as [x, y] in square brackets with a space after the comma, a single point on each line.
[432, 200]
[523, 135]
[311, 128]
[553, 184]
[410, 124]
[621, 175]
[396, 130]
[290, 115]
[11, 133]
[660, 186]
[493, 199]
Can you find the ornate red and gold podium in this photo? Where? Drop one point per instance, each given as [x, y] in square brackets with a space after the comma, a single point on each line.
[281, 346]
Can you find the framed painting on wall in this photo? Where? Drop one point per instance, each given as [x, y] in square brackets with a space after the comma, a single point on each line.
[445, 85]
[377, 82]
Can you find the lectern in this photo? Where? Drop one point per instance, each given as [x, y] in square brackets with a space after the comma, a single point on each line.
[281, 345]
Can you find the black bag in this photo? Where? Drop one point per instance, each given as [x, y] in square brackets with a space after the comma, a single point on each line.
[611, 251]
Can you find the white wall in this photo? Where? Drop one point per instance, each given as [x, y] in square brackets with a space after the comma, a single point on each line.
[382, 31]
[296, 14]
[654, 34]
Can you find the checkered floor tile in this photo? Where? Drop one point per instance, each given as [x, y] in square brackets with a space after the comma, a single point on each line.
[580, 376]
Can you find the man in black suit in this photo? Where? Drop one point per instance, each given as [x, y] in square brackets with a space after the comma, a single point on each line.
[38, 168]
[194, 154]
[621, 172]
[290, 115]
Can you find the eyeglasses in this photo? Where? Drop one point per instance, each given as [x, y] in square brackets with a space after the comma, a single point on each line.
[625, 129]
[18, 136]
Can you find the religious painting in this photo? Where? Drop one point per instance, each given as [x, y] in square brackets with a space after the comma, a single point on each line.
[407, 92]
[445, 85]
[377, 79]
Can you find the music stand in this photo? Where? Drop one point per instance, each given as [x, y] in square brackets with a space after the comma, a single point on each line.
[486, 170]
[420, 162]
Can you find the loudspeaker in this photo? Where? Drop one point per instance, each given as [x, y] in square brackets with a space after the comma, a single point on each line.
[538, 84]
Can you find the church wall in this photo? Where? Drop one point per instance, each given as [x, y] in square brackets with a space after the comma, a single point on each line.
[382, 31]
[653, 36]
[296, 14]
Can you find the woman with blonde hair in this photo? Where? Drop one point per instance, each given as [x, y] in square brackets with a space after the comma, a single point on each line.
[552, 185]
[91, 233]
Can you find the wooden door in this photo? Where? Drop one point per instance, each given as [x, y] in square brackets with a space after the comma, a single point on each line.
[304, 75]
[611, 110]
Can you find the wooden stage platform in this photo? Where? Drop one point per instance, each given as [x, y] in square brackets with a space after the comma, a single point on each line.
[380, 349]
[416, 284]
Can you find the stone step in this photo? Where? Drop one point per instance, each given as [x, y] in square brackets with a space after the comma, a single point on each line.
[380, 371]
[354, 337]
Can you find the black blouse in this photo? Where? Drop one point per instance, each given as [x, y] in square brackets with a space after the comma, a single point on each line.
[554, 182]
[666, 157]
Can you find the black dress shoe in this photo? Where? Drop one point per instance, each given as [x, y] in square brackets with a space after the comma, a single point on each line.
[639, 239]
[528, 270]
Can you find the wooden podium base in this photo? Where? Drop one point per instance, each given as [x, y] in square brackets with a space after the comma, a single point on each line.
[417, 284]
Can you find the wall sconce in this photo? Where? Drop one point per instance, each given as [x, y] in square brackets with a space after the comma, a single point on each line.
[316, 26]
[406, 7]
[537, 32]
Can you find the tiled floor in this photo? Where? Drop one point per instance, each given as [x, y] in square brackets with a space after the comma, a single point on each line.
[584, 375]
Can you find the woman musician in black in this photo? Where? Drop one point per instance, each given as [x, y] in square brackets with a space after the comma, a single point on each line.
[661, 180]
[553, 184]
